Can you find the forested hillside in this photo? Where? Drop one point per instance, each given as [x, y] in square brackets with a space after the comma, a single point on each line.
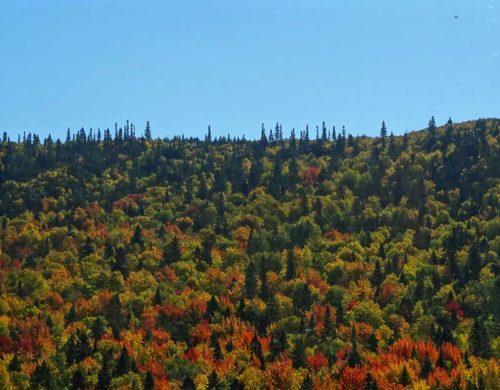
[302, 261]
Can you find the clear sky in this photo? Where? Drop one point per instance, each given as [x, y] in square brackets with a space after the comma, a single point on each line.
[185, 64]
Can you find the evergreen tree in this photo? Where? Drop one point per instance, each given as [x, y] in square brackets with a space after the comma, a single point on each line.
[328, 326]
[78, 381]
[377, 276]
[370, 383]
[98, 328]
[434, 260]
[120, 263]
[114, 314]
[279, 343]
[431, 134]
[426, 366]
[474, 262]
[41, 377]
[237, 385]
[264, 286]
[393, 153]
[124, 363]
[216, 348]
[277, 132]
[478, 339]
[250, 281]
[15, 364]
[71, 316]
[405, 377]
[105, 374]
[383, 134]
[263, 138]
[208, 137]
[272, 310]
[307, 383]
[137, 237]
[149, 381]
[291, 265]
[293, 141]
[188, 384]
[213, 380]
[324, 135]
[206, 249]
[299, 353]
[354, 356]
[212, 307]
[157, 298]
[373, 342]
[256, 348]
[147, 131]
[172, 253]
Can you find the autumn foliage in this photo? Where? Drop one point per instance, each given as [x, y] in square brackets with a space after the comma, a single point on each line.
[350, 262]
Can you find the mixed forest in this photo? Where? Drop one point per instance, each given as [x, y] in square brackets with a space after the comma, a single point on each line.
[311, 260]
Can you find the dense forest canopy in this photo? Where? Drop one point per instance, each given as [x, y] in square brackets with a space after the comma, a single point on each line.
[315, 260]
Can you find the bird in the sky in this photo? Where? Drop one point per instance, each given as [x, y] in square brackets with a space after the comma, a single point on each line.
[456, 17]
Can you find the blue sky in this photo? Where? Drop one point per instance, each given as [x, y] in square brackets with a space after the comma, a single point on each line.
[237, 64]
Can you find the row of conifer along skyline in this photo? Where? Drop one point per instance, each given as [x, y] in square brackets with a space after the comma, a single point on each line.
[128, 133]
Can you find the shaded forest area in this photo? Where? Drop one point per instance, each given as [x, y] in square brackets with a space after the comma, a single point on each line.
[303, 262]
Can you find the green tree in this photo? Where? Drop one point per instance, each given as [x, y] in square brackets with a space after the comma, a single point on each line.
[78, 381]
[124, 363]
[250, 281]
[383, 134]
[291, 265]
[147, 131]
[478, 339]
[137, 237]
[149, 381]
[42, 377]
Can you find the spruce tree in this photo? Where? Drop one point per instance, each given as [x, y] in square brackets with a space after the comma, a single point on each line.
[15, 364]
[299, 353]
[383, 134]
[188, 384]
[478, 339]
[354, 356]
[41, 377]
[78, 381]
[377, 276]
[328, 326]
[172, 253]
[474, 261]
[405, 377]
[157, 298]
[426, 366]
[106, 373]
[279, 343]
[307, 383]
[208, 137]
[124, 363]
[137, 237]
[213, 380]
[206, 249]
[256, 348]
[147, 131]
[120, 263]
[291, 265]
[250, 281]
[149, 382]
[212, 307]
[370, 382]
[263, 138]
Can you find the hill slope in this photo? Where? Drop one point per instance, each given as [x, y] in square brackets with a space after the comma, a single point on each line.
[354, 263]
